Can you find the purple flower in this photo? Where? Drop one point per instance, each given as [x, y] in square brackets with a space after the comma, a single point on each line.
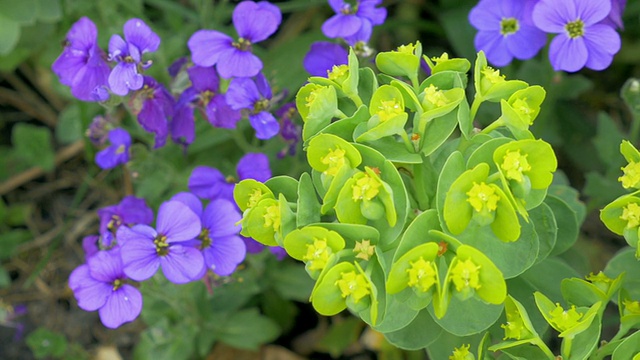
[144, 248]
[100, 285]
[349, 20]
[254, 96]
[219, 242]
[98, 131]
[210, 183]
[615, 16]
[506, 31]
[322, 56]
[205, 95]
[118, 152]
[93, 244]
[289, 130]
[581, 40]
[127, 52]
[156, 111]
[254, 22]
[130, 211]
[82, 65]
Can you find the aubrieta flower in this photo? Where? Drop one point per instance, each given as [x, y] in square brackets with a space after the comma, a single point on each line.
[82, 64]
[93, 244]
[350, 20]
[209, 183]
[582, 40]
[322, 56]
[127, 52]
[254, 95]
[254, 22]
[130, 211]
[118, 152]
[145, 249]
[289, 131]
[100, 285]
[205, 95]
[98, 131]
[506, 30]
[615, 16]
[157, 108]
[219, 239]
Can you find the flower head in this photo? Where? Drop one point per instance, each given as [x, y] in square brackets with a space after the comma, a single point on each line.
[254, 95]
[118, 152]
[101, 285]
[506, 31]
[323, 56]
[254, 22]
[582, 39]
[157, 108]
[350, 20]
[130, 211]
[127, 52]
[82, 64]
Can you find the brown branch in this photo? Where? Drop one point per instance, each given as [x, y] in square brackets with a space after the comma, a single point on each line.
[13, 98]
[41, 78]
[63, 155]
[32, 97]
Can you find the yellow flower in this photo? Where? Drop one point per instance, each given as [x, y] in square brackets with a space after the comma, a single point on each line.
[318, 254]
[514, 165]
[335, 160]
[422, 275]
[482, 196]
[364, 250]
[465, 275]
[435, 96]
[354, 285]
[366, 188]
[631, 177]
[388, 109]
[272, 217]
[631, 214]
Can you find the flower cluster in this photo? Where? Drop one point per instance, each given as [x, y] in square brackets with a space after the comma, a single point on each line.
[585, 31]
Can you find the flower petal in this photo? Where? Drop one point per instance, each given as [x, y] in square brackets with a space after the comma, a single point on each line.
[177, 222]
[224, 254]
[485, 16]
[206, 182]
[140, 34]
[182, 264]
[207, 45]
[220, 114]
[204, 78]
[140, 259]
[322, 56]
[265, 124]
[242, 93]
[256, 22]
[190, 200]
[90, 293]
[552, 15]
[124, 305]
[568, 54]
[603, 43]
[220, 217]
[340, 25]
[254, 166]
[106, 265]
[124, 77]
[592, 11]
[526, 42]
[495, 46]
[136, 233]
[238, 63]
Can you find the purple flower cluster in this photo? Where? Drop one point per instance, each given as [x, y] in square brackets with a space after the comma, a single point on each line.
[586, 31]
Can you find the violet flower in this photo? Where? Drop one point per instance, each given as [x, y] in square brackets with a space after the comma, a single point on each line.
[290, 132]
[100, 285]
[145, 249]
[322, 56]
[219, 242]
[93, 244]
[156, 111]
[130, 211]
[209, 183]
[582, 40]
[118, 152]
[254, 22]
[127, 52]
[349, 20]
[506, 30]
[98, 131]
[82, 64]
[205, 95]
[254, 95]
[615, 16]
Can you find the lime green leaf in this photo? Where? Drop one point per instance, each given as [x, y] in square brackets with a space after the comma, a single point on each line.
[33, 144]
[405, 61]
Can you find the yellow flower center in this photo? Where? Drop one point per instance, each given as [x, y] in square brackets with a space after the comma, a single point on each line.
[575, 28]
[389, 109]
[366, 187]
[272, 217]
[318, 254]
[354, 285]
[631, 307]
[483, 197]
[335, 160]
[564, 319]
[364, 250]
[509, 26]
[514, 164]
[631, 214]
[514, 328]
[466, 275]
[435, 96]
[440, 59]
[338, 72]
[461, 353]
[162, 247]
[492, 75]
[254, 198]
[422, 275]
[522, 108]
[631, 177]
[406, 49]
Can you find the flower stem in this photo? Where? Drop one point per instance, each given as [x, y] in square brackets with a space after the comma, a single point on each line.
[475, 106]
[545, 349]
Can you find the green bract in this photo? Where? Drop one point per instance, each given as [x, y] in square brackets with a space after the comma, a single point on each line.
[247, 193]
[490, 85]
[405, 61]
[387, 115]
[522, 108]
[314, 245]
[329, 153]
[317, 105]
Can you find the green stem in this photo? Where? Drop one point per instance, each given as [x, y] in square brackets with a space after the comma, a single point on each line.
[634, 132]
[339, 114]
[415, 83]
[356, 99]
[545, 349]
[241, 141]
[407, 142]
[418, 183]
[475, 106]
[494, 125]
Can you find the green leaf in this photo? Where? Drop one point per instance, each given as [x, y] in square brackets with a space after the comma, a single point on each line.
[69, 127]
[568, 227]
[248, 329]
[625, 261]
[21, 11]
[46, 343]
[607, 135]
[452, 169]
[628, 348]
[9, 34]
[437, 131]
[405, 61]
[308, 206]
[468, 317]
[340, 336]
[33, 144]
[422, 332]
[48, 10]
[546, 228]
[291, 281]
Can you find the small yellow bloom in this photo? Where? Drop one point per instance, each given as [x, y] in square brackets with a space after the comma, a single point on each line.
[465, 275]
[462, 353]
[565, 319]
[389, 109]
[338, 72]
[407, 49]
[318, 254]
[335, 160]
[522, 107]
[313, 95]
[422, 275]
[482, 196]
[631, 214]
[435, 96]
[514, 165]
[254, 198]
[631, 307]
[366, 187]
[364, 250]
[440, 59]
[631, 177]
[272, 217]
[355, 285]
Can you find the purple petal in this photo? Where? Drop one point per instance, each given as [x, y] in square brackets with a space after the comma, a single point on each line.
[134, 210]
[253, 247]
[153, 118]
[124, 305]
[242, 94]
[182, 126]
[256, 22]
[340, 25]
[69, 64]
[136, 233]
[90, 246]
[337, 5]
[124, 77]
[117, 47]
[603, 42]
[177, 222]
[206, 182]
[362, 35]
[592, 11]
[83, 34]
[220, 114]
[552, 15]
[90, 293]
[220, 217]
[94, 75]
[106, 265]
[140, 258]
[182, 264]
[265, 124]
[111, 157]
[254, 166]
[224, 254]
[140, 34]
[494, 45]
[207, 45]
[78, 276]
[278, 251]
[190, 200]
[568, 54]
[119, 136]
[204, 78]
[367, 9]
[262, 84]
[526, 42]
[238, 63]
[322, 56]
[485, 16]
